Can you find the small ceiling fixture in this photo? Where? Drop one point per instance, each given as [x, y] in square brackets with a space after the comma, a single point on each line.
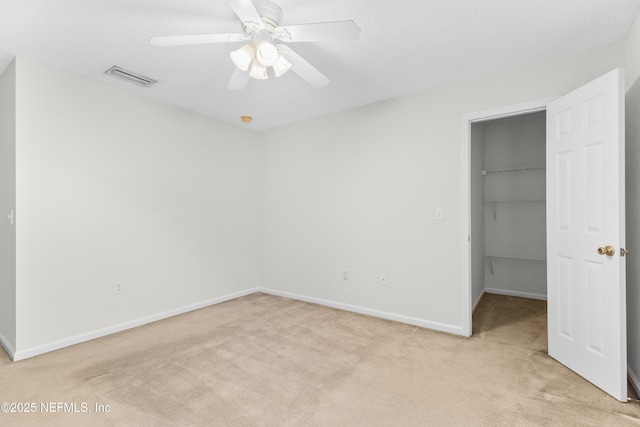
[261, 27]
[246, 119]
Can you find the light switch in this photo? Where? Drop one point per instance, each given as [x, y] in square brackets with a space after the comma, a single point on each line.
[439, 214]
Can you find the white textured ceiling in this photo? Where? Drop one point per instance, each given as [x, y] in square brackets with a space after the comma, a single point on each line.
[405, 46]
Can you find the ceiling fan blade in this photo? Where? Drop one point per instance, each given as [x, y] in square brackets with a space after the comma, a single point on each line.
[319, 32]
[247, 13]
[196, 39]
[301, 67]
[238, 80]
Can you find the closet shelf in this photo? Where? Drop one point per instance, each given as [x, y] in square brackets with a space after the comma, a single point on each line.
[490, 259]
[496, 171]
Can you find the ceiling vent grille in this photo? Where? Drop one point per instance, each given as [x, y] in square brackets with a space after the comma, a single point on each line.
[130, 76]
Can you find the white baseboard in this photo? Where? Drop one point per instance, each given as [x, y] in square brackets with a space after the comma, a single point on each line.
[7, 347]
[515, 294]
[457, 330]
[56, 345]
[477, 301]
[633, 379]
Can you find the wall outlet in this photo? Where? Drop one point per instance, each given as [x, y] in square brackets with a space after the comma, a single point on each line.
[345, 274]
[117, 288]
[383, 279]
[439, 214]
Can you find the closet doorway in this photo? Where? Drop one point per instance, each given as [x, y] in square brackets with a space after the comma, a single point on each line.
[508, 207]
[504, 201]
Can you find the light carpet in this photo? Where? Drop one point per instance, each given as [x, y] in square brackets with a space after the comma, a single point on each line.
[263, 360]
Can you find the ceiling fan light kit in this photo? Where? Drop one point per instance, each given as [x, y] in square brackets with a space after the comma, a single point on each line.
[243, 56]
[258, 70]
[261, 26]
[265, 55]
[281, 66]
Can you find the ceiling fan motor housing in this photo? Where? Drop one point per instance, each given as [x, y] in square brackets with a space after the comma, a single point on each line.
[270, 13]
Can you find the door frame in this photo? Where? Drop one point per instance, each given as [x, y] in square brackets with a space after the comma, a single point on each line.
[467, 121]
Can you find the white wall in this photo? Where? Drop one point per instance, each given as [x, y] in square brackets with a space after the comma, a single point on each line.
[112, 186]
[633, 199]
[358, 190]
[7, 204]
[633, 225]
[632, 54]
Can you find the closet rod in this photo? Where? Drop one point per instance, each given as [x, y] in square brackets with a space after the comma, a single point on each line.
[535, 168]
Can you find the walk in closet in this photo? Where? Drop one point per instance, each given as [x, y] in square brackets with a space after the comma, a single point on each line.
[508, 206]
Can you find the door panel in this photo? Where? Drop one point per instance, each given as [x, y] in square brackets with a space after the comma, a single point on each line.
[585, 211]
[563, 191]
[595, 297]
[594, 190]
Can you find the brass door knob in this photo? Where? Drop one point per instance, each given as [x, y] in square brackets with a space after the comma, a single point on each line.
[607, 250]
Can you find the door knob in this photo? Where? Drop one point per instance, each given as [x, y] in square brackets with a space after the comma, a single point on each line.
[607, 250]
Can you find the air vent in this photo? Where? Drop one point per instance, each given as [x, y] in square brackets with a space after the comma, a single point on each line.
[130, 76]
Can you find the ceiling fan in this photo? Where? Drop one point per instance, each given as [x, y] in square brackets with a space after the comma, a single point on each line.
[261, 30]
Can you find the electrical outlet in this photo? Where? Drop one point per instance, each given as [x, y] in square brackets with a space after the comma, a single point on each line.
[117, 288]
[383, 279]
[439, 214]
[345, 274]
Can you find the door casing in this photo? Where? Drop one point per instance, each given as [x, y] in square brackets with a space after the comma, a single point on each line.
[467, 121]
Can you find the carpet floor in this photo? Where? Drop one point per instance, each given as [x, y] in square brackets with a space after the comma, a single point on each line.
[262, 360]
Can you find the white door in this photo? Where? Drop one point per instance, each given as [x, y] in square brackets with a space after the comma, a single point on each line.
[585, 212]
